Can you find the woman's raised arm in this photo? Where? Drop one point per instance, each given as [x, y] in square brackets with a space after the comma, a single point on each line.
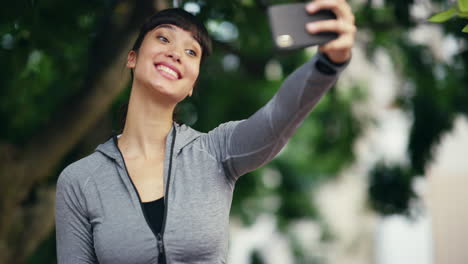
[243, 146]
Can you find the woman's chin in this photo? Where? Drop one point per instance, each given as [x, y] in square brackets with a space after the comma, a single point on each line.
[168, 92]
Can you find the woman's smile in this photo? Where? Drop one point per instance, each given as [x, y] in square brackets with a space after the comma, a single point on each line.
[168, 71]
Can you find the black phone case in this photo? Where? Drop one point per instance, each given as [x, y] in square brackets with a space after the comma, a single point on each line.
[287, 22]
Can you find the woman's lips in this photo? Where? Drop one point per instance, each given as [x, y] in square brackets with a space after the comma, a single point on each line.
[168, 71]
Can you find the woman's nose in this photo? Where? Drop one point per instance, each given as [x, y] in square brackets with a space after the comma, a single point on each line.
[174, 55]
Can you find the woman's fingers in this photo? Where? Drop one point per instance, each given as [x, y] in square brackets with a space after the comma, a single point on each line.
[339, 50]
[343, 24]
[345, 39]
[342, 43]
[346, 32]
[341, 9]
[331, 25]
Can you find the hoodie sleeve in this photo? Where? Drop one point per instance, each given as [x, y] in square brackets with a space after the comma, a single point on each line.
[245, 145]
[73, 229]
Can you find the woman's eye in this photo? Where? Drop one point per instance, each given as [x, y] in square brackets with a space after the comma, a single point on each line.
[191, 52]
[163, 39]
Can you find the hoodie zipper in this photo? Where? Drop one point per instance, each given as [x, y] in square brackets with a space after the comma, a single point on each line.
[159, 236]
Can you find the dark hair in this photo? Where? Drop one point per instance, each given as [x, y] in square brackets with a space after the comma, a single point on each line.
[181, 18]
[177, 17]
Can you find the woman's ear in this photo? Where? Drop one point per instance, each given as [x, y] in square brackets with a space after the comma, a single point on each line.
[131, 59]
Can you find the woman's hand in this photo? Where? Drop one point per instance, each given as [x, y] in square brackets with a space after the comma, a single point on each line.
[338, 50]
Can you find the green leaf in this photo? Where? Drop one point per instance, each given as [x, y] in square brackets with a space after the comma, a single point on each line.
[462, 14]
[463, 5]
[443, 16]
[465, 29]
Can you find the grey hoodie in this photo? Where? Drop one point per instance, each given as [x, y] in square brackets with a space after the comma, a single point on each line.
[99, 217]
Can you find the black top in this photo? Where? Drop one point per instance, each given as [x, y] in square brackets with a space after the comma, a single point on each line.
[154, 210]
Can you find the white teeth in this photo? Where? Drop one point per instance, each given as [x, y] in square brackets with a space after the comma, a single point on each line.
[168, 70]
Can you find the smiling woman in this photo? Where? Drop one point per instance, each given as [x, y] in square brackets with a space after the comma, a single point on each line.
[169, 52]
[161, 191]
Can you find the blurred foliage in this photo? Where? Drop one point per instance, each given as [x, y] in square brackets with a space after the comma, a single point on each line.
[43, 60]
[390, 189]
[44, 56]
[433, 93]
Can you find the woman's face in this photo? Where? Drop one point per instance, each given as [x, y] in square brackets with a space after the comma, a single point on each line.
[167, 61]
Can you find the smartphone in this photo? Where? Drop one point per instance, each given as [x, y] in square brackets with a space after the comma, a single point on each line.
[288, 21]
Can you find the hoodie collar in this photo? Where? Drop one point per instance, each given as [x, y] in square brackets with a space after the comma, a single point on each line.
[184, 135]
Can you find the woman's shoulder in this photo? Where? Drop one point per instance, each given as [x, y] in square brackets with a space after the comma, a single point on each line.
[80, 171]
[189, 134]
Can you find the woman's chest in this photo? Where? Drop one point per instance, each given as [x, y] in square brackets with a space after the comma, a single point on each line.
[198, 204]
[147, 177]
[118, 242]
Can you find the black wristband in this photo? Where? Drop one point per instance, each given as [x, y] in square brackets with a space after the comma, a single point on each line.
[326, 66]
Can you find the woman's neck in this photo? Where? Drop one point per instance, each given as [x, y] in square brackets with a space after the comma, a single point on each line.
[147, 125]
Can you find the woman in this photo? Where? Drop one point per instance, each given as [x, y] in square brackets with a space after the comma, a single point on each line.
[161, 192]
